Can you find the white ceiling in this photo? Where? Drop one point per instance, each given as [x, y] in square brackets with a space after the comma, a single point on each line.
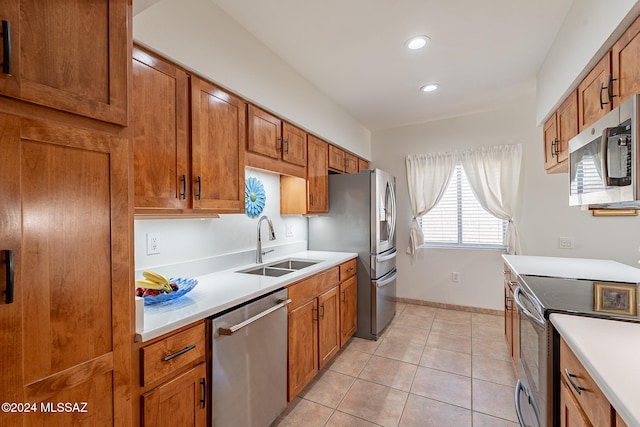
[484, 54]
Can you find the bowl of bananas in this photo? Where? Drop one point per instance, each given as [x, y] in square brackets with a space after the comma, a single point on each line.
[156, 288]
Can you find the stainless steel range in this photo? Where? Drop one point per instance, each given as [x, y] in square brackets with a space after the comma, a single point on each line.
[536, 298]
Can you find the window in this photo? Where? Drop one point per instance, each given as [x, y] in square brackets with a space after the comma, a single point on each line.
[458, 220]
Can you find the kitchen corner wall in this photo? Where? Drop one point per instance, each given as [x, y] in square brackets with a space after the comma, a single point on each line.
[183, 240]
[544, 215]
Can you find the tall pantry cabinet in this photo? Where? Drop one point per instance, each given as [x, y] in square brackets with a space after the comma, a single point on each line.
[65, 213]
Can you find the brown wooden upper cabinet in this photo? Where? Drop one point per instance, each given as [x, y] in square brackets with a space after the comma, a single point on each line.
[317, 176]
[341, 161]
[275, 145]
[162, 171]
[173, 173]
[558, 130]
[594, 94]
[310, 195]
[218, 135]
[71, 56]
[625, 58]
[363, 165]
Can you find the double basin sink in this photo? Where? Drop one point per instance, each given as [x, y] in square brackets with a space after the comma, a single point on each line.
[280, 268]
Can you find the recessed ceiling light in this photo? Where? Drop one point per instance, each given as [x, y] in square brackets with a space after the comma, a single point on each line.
[430, 87]
[417, 42]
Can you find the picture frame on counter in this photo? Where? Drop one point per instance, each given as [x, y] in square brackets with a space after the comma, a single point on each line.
[615, 298]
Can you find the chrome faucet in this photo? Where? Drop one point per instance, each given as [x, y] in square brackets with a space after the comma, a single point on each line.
[272, 236]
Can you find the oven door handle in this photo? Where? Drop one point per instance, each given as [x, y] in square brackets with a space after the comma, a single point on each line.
[520, 387]
[523, 309]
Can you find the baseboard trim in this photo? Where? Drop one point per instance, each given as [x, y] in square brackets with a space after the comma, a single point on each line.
[451, 306]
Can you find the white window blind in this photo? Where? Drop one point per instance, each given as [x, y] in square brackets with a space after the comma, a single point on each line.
[587, 179]
[459, 220]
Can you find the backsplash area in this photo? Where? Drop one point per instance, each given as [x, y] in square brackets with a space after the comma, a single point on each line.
[207, 240]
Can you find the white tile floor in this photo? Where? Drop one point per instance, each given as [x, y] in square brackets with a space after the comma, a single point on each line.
[432, 367]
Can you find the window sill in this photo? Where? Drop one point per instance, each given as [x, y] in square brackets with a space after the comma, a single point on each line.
[468, 247]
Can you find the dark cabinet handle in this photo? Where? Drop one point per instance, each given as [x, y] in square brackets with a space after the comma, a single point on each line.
[6, 46]
[199, 193]
[574, 385]
[183, 193]
[609, 88]
[279, 144]
[554, 148]
[311, 198]
[203, 386]
[8, 259]
[179, 353]
[286, 143]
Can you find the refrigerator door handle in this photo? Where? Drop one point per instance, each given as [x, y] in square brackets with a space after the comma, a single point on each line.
[387, 280]
[386, 257]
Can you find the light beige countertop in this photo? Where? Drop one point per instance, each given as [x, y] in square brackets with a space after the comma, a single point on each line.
[225, 289]
[610, 351]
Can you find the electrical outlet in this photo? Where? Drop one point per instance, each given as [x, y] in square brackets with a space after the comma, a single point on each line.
[455, 277]
[288, 230]
[153, 243]
[565, 243]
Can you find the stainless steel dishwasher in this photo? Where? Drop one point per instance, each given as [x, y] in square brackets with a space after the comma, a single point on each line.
[250, 362]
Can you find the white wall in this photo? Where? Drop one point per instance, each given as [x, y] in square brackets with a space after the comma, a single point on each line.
[203, 38]
[544, 215]
[185, 240]
[589, 30]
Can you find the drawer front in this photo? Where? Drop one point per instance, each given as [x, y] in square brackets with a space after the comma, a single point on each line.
[173, 353]
[594, 404]
[307, 289]
[347, 269]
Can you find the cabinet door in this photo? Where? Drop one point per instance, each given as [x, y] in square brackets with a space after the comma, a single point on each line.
[317, 176]
[570, 413]
[363, 165]
[336, 159]
[625, 58]
[351, 163]
[161, 133]
[348, 309]
[295, 145]
[181, 401]
[265, 133]
[328, 325]
[594, 103]
[218, 136]
[72, 55]
[567, 126]
[303, 347]
[550, 131]
[508, 323]
[66, 336]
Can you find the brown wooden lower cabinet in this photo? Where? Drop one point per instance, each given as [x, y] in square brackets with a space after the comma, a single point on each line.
[322, 318]
[303, 347]
[173, 388]
[328, 326]
[178, 402]
[582, 403]
[570, 413]
[348, 309]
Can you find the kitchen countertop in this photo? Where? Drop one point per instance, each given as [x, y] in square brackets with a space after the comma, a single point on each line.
[573, 268]
[221, 290]
[609, 350]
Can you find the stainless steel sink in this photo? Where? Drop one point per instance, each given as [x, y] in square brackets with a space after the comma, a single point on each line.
[294, 264]
[267, 271]
[280, 268]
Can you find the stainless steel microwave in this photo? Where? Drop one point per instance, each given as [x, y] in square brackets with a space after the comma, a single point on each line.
[603, 160]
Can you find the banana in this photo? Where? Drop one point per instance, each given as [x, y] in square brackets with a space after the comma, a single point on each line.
[148, 284]
[157, 278]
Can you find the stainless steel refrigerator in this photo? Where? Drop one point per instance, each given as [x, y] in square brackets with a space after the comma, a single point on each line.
[362, 219]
